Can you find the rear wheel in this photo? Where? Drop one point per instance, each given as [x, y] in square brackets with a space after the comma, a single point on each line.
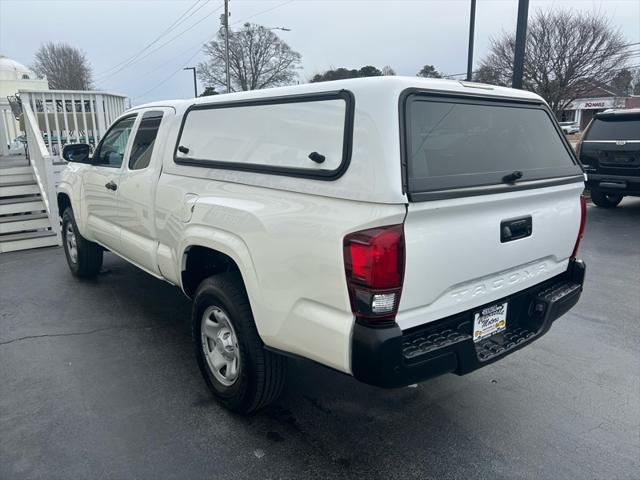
[606, 200]
[242, 375]
[84, 257]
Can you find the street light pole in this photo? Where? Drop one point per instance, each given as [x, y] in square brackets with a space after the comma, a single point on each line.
[195, 82]
[226, 43]
[472, 27]
[521, 40]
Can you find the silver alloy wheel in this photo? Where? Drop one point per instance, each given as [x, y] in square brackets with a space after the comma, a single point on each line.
[71, 242]
[220, 345]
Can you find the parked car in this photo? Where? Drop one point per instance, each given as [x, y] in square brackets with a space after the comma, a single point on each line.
[610, 154]
[393, 229]
[569, 127]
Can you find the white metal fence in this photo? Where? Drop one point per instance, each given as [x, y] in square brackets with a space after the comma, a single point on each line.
[67, 116]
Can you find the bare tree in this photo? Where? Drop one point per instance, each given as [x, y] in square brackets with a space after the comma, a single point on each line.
[566, 53]
[429, 71]
[65, 67]
[635, 82]
[387, 71]
[258, 58]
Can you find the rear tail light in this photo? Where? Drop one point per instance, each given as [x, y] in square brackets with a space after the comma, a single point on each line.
[374, 265]
[583, 222]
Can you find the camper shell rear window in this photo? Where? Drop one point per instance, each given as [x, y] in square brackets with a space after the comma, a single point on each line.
[460, 146]
[299, 135]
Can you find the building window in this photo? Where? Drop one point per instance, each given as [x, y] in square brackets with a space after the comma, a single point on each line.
[25, 77]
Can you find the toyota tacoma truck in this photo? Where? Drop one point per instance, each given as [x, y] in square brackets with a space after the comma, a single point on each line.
[393, 229]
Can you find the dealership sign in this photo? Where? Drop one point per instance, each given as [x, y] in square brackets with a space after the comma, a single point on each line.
[596, 103]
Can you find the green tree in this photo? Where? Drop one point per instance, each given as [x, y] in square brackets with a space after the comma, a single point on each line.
[486, 74]
[623, 81]
[209, 91]
[343, 73]
[429, 71]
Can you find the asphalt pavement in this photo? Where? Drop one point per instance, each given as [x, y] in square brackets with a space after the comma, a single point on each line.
[98, 380]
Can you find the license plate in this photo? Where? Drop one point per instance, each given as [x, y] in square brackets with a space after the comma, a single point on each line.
[489, 321]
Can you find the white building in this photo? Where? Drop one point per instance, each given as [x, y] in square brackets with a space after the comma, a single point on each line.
[14, 76]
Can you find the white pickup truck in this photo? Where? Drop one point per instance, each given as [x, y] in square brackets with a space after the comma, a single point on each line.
[393, 228]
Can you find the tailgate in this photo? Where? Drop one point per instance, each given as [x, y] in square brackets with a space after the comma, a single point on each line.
[456, 260]
[494, 202]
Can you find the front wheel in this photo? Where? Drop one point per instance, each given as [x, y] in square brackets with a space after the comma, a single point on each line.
[240, 372]
[605, 200]
[83, 257]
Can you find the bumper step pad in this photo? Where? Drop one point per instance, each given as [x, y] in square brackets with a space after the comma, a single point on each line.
[388, 357]
[415, 346]
[490, 347]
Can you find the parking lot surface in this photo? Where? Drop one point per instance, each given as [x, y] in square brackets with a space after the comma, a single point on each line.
[98, 380]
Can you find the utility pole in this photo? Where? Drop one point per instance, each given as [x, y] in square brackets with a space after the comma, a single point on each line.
[472, 27]
[521, 40]
[225, 23]
[195, 82]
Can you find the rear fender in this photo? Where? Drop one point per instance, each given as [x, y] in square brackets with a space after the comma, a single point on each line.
[230, 245]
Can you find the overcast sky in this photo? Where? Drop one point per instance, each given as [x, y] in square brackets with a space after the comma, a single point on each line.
[402, 34]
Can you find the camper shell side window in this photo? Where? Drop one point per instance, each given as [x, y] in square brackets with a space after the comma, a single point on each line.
[302, 136]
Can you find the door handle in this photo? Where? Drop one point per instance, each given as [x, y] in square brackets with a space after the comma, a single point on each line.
[515, 228]
[111, 186]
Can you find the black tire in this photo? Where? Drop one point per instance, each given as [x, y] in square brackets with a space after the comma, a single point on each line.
[261, 373]
[88, 261]
[605, 200]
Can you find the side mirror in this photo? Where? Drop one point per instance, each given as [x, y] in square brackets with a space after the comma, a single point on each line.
[77, 152]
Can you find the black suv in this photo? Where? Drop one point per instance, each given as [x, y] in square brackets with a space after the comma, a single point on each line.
[610, 154]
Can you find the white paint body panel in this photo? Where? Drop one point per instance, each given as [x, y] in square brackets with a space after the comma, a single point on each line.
[286, 233]
[455, 261]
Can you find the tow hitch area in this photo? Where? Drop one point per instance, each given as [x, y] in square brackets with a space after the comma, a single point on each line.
[390, 358]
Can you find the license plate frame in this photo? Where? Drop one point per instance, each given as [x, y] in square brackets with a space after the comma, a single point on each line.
[490, 321]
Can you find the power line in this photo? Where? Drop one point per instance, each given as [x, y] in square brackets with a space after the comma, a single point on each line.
[200, 43]
[628, 54]
[171, 27]
[166, 79]
[263, 11]
[139, 59]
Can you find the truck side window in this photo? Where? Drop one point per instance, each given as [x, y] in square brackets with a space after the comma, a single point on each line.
[144, 140]
[111, 151]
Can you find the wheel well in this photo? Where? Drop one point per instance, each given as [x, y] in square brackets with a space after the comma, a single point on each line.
[63, 203]
[202, 262]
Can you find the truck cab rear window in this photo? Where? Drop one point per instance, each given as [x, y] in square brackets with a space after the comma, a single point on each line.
[459, 143]
[305, 136]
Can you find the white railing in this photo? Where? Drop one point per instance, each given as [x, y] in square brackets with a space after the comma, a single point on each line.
[42, 165]
[68, 116]
[51, 119]
[8, 128]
